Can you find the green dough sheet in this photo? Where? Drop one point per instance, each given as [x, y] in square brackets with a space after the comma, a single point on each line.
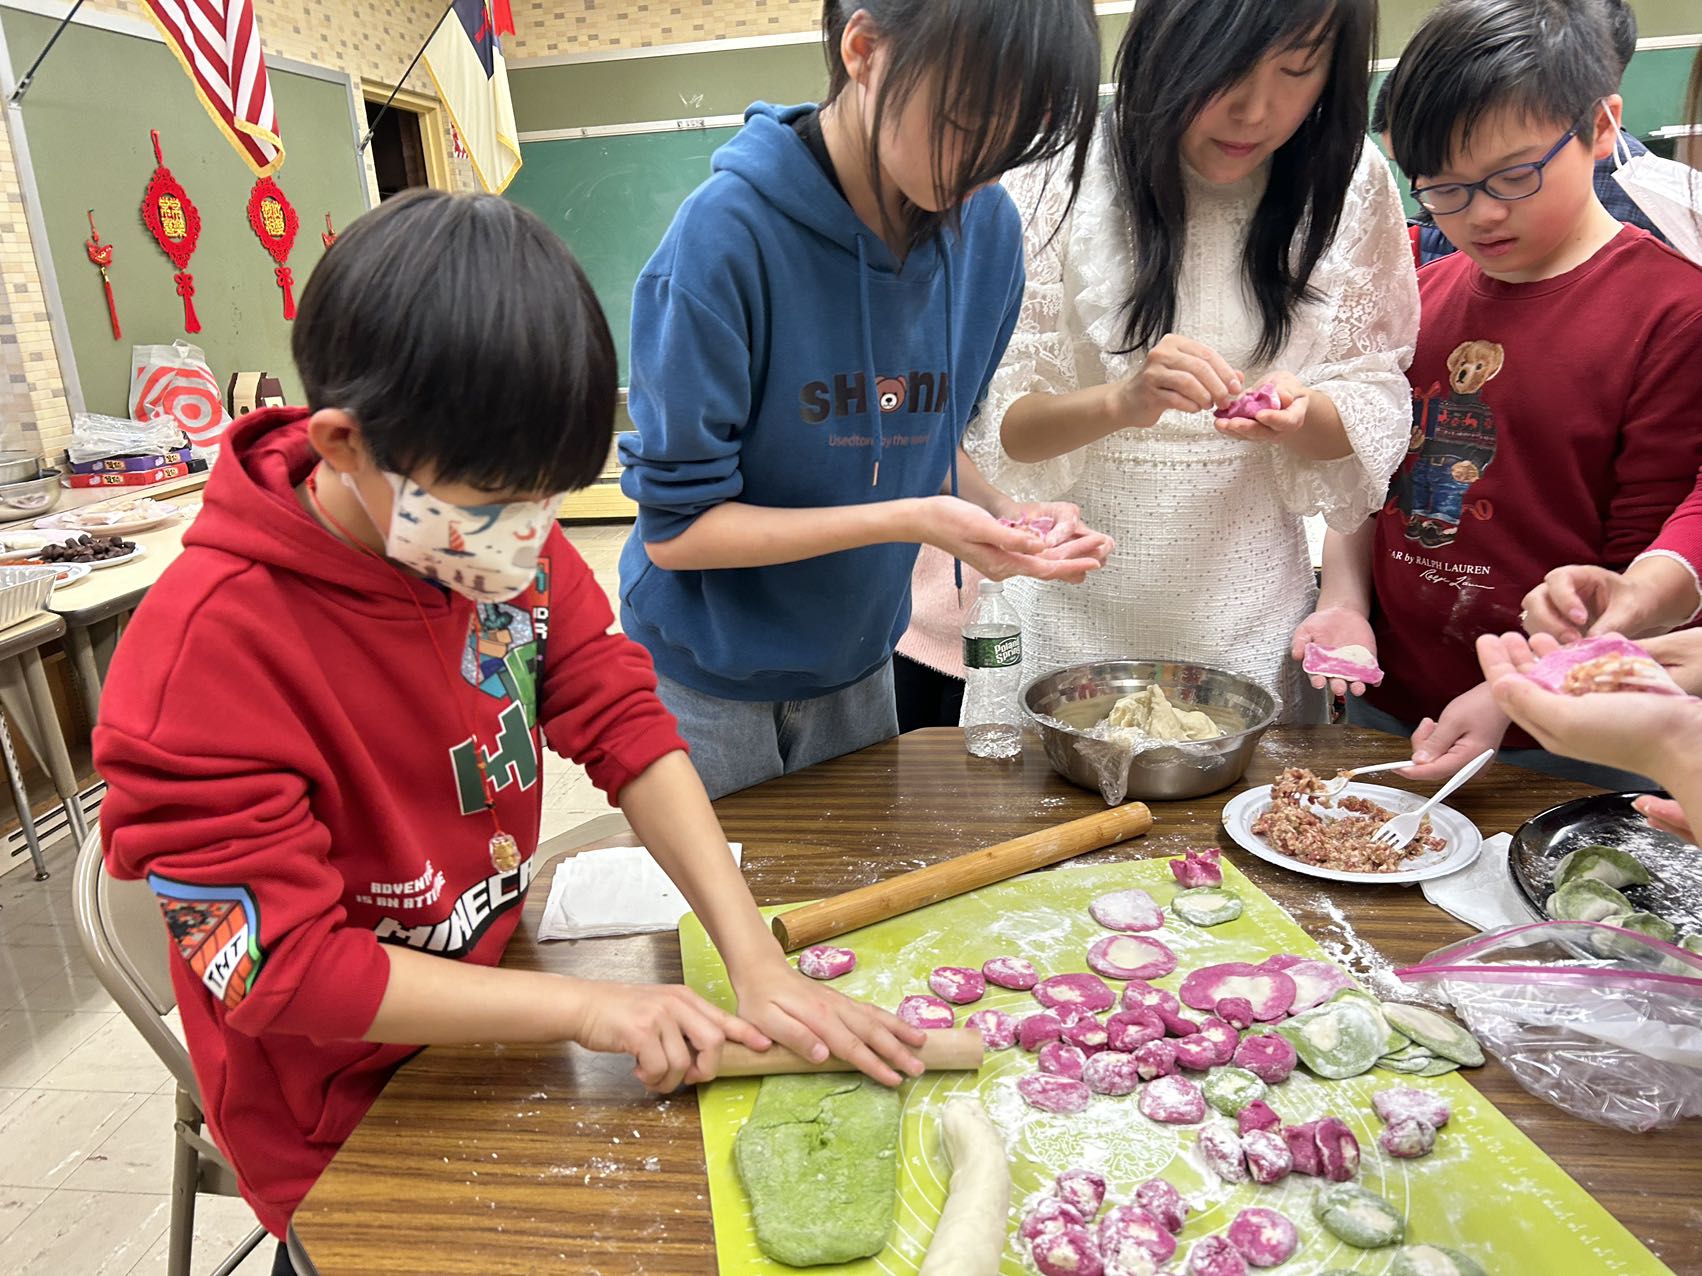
[816, 1159]
[1486, 1190]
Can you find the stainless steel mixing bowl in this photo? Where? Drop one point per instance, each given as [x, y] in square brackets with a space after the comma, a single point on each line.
[1082, 695]
[37, 496]
[19, 467]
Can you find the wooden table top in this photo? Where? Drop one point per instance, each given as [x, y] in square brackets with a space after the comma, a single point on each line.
[517, 1159]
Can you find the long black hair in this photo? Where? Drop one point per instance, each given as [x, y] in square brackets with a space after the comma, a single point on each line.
[1019, 77]
[1176, 57]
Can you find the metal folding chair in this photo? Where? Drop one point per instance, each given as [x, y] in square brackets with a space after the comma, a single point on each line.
[125, 939]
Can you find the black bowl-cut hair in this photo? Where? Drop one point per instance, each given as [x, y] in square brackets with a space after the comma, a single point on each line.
[1545, 60]
[1622, 31]
[466, 342]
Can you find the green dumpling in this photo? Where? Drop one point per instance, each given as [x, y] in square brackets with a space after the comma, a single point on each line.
[1433, 1260]
[819, 1161]
[1360, 1218]
[1605, 864]
[1587, 900]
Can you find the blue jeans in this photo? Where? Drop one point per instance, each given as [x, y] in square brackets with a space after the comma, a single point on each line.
[1360, 714]
[738, 743]
[1436, 493]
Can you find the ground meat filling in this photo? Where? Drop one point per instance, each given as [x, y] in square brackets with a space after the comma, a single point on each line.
[1293, 828]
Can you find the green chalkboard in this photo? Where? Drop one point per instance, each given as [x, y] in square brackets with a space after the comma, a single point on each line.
[87, 118]
[611, 199]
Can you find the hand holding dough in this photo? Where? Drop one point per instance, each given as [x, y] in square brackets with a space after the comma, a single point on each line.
[970, 1238]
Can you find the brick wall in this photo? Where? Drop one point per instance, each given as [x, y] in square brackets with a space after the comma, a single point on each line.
[546, 27]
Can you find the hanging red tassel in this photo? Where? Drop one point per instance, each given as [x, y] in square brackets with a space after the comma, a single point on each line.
[328, 236]
[175, 223]
[101, 255]
[275, 222]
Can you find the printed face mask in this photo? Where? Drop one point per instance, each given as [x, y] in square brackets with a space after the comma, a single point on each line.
[487, 552]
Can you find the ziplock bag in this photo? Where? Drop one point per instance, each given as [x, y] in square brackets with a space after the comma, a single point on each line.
[1603, 1023]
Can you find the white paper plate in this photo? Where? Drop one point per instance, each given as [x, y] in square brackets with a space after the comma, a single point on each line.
[1464, 840]
[162, 513]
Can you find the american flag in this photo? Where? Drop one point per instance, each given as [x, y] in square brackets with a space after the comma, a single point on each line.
[218, 42]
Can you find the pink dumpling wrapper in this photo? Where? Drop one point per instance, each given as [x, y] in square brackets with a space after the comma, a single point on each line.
[1251, 403]
[1315, 982]
[1197, 1053]
[1129, 1232]
[1268, 1157]
[1010, 972]
[1035, 1031]
[1407, 1101]
[1258, 1115]
[1173, 1100]
[1060, 1059]
[1075, 992]
[1178, 1024]
[1130, 910]
[1131, 957]
[1267, 1056]
[1222, 1036]
[997, 1029]
[1160, 1198]
[825, 962]
[1198, 868]
[1220, 1148]
[1112, 1072]
[958, 984]
[1131, 1029]
[1087, 1034]
[1552, 671]
[1328, 662]
[1270, 992]
[1264, 1237]
[919, 1010]
[1338, 1150]
[1082, 1190]
[1142, 995]
[1055, 1094]
[1215, 1256]
[1156, 1059]
[1237, 1011]
[1302, 1143]
[1070, 1251]
[1050, 1214]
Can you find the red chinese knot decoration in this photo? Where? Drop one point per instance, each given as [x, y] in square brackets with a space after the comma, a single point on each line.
[175, 224]
[274, 220]
[101, 255]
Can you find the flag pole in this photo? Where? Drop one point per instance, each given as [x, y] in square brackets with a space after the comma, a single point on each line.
[365, 141]
[29, 75]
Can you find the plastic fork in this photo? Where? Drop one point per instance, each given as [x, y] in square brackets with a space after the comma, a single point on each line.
[1403, 828]
[1335, 787]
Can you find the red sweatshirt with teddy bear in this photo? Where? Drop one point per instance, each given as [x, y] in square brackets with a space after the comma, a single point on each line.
[1554, 422]
[290, 758]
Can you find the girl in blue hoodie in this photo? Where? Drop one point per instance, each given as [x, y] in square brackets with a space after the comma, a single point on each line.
[808, 344]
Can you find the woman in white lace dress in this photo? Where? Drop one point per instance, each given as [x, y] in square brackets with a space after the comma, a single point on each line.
[1234, 228]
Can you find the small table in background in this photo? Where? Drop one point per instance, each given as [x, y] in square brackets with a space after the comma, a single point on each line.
[28, 703]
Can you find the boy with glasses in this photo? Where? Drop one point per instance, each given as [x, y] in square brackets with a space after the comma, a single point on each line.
[1556, 417]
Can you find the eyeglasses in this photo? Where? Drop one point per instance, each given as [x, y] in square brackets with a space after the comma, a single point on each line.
[1520, 181]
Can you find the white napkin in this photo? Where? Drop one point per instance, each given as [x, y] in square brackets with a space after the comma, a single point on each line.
[617, 891]
[1483, 893]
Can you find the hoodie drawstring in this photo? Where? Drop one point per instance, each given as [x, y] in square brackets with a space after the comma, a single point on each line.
[872, 395]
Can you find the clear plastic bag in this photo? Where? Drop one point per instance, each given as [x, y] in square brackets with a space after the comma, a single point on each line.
[95, 437]
[1604, 1023]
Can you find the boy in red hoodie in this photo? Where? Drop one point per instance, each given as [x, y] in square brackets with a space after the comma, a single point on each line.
[1555, 413]
[322, 730]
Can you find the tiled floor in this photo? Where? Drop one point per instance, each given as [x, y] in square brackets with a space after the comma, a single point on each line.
[86, 1108]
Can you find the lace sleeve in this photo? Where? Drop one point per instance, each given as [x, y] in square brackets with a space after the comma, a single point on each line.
[1372, 326]
[1041, 354]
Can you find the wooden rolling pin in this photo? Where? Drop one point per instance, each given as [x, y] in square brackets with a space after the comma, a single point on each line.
[945, 1050]
[909, 891]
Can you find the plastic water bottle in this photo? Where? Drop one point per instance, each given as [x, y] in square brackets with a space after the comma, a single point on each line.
[992, 671]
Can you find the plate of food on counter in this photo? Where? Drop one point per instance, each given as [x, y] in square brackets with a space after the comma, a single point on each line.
[125, 520]
[64, 549]
[70, 574]
[1297, 824]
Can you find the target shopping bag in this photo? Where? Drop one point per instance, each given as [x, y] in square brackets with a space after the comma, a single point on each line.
[175, 381]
